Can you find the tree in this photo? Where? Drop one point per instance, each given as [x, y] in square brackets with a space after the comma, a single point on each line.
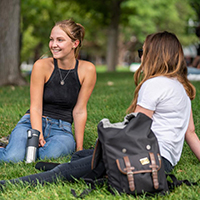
[113, 27]
[36, 24]
[10, 43]
[143, 17]
[196, 5]
[113, 35]
[107, 13]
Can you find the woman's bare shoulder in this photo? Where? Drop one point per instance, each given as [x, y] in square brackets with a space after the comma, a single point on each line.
[44, 62]
[86, 65]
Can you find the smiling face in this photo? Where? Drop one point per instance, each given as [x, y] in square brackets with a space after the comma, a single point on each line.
[60, 44]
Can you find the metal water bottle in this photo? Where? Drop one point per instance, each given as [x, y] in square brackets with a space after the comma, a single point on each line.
[32, 145]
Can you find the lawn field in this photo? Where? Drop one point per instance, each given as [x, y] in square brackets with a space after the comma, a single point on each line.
[111, 97]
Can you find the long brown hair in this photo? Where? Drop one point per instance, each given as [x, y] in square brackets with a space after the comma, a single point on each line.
[74, 30]
[162, 56]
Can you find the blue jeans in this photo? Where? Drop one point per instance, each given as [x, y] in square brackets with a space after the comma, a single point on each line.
[57, 134]
[192, 70]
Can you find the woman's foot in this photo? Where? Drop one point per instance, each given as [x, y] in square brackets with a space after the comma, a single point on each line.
[5, 139]
[3, 145]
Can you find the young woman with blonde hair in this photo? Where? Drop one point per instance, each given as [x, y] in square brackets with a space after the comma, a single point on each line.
[60, 89]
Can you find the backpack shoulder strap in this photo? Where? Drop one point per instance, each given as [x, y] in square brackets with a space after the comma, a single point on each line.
[175, 182]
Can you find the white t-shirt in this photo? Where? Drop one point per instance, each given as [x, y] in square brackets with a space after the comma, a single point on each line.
[172, 106]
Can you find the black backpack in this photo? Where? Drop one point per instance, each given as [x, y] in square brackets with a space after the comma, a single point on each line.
[131, 156]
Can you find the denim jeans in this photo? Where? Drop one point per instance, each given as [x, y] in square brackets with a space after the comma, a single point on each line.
[57, 134]
[192, 70]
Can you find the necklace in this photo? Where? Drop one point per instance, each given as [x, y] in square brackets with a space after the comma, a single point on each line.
[62, 80]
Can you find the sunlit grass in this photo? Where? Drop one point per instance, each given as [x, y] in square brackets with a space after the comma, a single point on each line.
[103, 68]
[111, 97]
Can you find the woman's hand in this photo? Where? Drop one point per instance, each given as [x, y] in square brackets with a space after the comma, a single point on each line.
[79, 148]
[42, 142]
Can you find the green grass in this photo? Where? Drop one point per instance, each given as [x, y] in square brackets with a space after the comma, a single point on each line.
[102, 68]
[111, 97]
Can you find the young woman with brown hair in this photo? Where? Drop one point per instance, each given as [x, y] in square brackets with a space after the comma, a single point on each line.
[164, 93]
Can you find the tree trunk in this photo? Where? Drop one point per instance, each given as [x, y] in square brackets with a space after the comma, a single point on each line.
[10, 43]
[112, 43]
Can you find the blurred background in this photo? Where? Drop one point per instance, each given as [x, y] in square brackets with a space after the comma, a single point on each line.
[115, 30]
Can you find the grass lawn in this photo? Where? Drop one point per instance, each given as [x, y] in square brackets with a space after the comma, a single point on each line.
[111, 97]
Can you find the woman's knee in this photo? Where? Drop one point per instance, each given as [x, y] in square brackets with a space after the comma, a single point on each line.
[81, 154]
[19, 133]
[13, 155]
[16, 148]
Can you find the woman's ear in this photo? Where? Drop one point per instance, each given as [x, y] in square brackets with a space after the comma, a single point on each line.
[75, 44]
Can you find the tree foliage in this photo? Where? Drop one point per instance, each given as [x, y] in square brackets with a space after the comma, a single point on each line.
[137, 19]
[196, 6]
[40, 18]
[159, 15]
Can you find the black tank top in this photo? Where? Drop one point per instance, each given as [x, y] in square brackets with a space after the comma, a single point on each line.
[59, 100]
